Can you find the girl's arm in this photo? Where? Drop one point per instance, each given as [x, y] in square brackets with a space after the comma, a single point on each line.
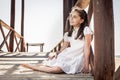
[87, 51]
[65, 45]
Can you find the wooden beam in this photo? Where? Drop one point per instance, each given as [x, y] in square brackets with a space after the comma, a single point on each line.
[104, 39]
[3, 24]
[22, 26]
[12, 23]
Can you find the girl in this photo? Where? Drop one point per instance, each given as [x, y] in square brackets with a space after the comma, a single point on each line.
[75, 52]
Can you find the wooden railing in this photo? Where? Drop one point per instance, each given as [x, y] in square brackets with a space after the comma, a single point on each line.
[5, 31]
[57, 47]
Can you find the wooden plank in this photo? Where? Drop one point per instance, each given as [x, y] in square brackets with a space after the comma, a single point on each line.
[36, 44]
[10, 69]
[104, 39]
[5, 25]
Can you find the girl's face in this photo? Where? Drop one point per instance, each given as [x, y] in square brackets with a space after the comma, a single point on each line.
[74, 19]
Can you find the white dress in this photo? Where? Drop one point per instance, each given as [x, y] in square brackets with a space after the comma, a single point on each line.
[71, 60]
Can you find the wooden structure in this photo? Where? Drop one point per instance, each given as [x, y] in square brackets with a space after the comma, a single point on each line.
[104, 64]
[35, 44]
[12, 23]
[10, 68]
[104, 37]
[67, 5]
[57, 47]
[6, 37]
[117, 74]
[22, 25]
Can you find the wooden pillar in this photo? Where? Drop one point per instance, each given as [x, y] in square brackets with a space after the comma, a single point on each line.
[22, 26]
[90, 11]
[104, 39]
[67, 6]
[12, 23]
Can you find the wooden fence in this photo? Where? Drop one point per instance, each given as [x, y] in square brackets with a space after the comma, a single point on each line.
[5, 31]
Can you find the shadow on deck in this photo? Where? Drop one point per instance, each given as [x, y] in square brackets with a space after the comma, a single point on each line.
[10, 68]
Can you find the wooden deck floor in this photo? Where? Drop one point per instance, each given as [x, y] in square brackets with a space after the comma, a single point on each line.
[10, 68]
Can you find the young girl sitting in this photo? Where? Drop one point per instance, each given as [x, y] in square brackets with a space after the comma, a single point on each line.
[75, 52]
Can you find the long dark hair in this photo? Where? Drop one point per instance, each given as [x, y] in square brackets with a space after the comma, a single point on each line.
[80, 33]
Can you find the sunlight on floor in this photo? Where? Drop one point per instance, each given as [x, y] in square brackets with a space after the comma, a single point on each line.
[5, 68]
[21, 59]
[2, 72]
[23, 54]
[22, 70]
[10, 67]
[17, 62]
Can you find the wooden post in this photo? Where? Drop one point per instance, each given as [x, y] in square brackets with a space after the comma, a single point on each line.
[104, 39]
[90, 11]
[67, 6]
[12, 22]
[22, 26]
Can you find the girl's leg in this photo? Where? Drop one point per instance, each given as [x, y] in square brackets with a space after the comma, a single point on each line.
[48, 69]
[31, 66]
[44, 68]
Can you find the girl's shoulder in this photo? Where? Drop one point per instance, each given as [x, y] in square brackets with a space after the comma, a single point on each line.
[87, 30]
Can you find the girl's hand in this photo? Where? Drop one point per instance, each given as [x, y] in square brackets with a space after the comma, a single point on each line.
[52, 55]
[85, 69]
